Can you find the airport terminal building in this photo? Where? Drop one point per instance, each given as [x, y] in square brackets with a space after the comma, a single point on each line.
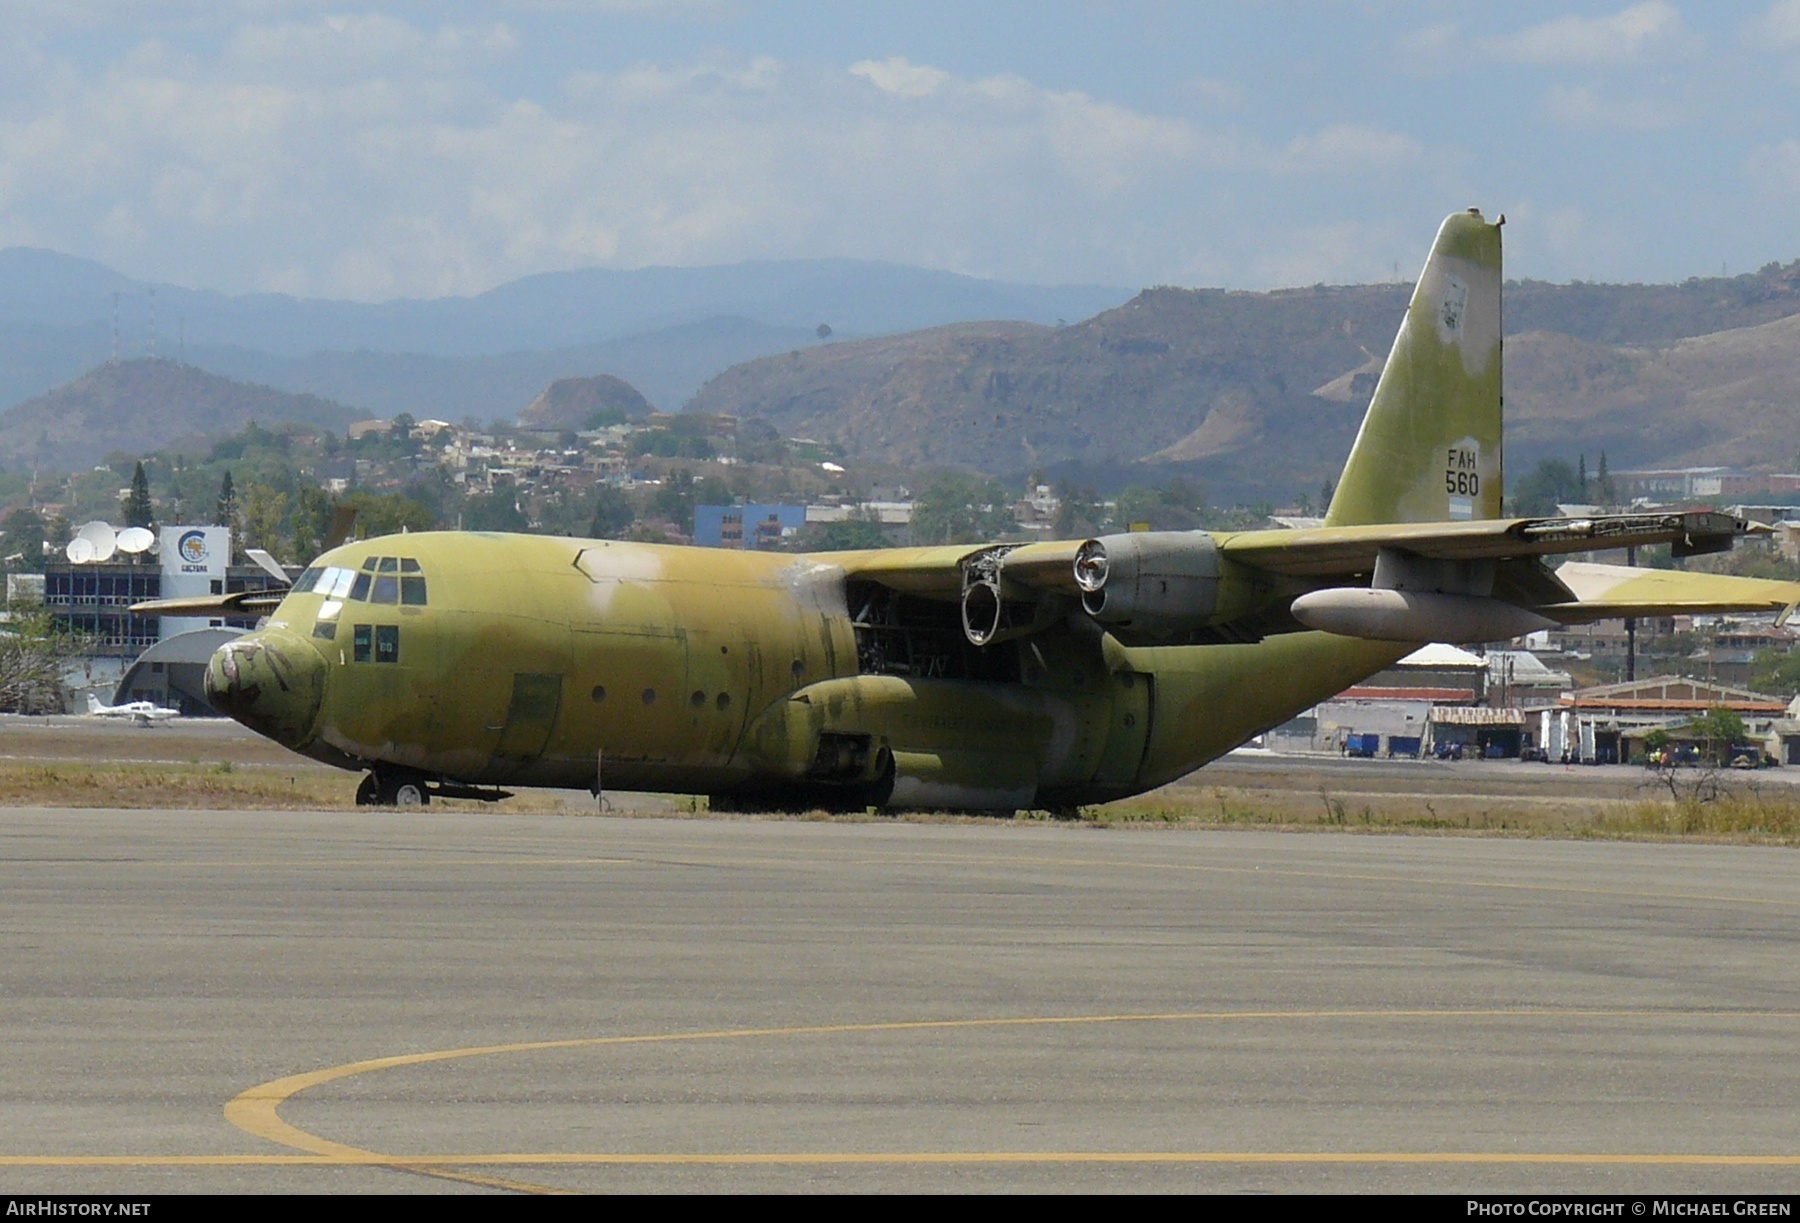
[89, 591]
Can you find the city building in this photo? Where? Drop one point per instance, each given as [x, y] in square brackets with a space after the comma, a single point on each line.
[752, 527]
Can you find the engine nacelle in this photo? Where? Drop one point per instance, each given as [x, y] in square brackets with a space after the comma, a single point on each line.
[1410, 615]
[1155, 583]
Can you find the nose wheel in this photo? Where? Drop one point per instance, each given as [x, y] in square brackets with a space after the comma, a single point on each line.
[382, 789]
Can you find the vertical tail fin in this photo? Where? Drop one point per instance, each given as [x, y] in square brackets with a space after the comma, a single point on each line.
[1430, 445]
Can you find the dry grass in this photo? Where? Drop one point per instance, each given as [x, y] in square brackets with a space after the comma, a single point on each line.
[1743, 813]
[221, 786]
[1728, 810]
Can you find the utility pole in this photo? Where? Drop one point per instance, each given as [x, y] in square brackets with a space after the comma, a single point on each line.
[1631, 628]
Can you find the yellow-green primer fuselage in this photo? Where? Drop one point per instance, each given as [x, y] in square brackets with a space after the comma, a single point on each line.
[756, 678]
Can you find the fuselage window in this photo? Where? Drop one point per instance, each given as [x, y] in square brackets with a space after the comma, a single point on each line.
[412, 590]
[387, 589]
[388, 564]
[370, 562]
[360, 590]
[325, 630]
[387, 643]
[306, 581]
[408, 565]
[360, 642]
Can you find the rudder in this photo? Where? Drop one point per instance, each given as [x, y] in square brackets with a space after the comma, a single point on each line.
[1429, 449]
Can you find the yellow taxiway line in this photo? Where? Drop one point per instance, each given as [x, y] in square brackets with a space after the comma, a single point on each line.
[255, 1111]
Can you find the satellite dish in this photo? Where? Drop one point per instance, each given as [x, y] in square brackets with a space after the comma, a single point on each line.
[80, 551]
[102, 536]
[135, 540]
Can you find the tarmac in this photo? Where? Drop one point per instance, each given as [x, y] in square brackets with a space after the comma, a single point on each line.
[483, 1002]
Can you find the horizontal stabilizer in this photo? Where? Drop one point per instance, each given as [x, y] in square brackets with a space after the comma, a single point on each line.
[244, 603]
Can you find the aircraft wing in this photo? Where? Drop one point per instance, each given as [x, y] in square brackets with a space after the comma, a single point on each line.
[1322, 578]
[939, 572]
[1607, 592]
[1324, 552]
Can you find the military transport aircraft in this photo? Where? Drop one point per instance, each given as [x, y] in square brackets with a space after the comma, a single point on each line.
[985, 678]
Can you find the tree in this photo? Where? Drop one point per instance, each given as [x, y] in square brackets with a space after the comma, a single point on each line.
[960, 509]
[860, 529]
[264, 512]
[613, 513]
[1175, 506]
[1550, 482]
[225, 509]
[824, 331]
[1777, 671]
[1077, 513]
[1608, 495]
[22, 534]
[33, 655]
[311, 519]
[496, 511]
[137, 510]
[389, 514]
[1717, 729]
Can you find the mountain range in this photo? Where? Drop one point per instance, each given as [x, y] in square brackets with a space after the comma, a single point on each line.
[667, 330]
[1257, 395]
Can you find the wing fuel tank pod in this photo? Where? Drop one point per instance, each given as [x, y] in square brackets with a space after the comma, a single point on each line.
[1421, 616]
[1417, 598]
[1156, 584]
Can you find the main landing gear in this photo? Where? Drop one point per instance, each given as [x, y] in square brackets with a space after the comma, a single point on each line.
[384, 789]
[404, 788]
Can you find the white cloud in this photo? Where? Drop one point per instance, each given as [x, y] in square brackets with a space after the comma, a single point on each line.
[1780, 25]
[1582, 106]
[1650, 30]
[900, 77]
[369, 156]
[1348, 147]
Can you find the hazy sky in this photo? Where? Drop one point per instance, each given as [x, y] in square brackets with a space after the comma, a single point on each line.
[420, 149]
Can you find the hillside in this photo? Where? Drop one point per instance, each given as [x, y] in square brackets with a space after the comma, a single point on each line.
[1202, 379]
[143, 405]
[1257, 395]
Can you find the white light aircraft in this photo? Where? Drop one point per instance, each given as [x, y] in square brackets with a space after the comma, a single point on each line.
[144, 713]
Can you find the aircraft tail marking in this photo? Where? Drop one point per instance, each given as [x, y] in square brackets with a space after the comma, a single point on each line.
[1429, 449]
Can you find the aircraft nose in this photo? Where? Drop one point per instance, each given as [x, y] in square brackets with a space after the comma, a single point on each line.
[272, 681]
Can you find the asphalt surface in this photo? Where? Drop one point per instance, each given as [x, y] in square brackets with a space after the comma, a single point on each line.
[826, 1006]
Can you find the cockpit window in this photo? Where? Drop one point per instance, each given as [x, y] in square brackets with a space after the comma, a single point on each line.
[379, 581]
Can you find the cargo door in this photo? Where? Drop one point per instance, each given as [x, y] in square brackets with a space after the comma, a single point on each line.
[530, 717]
[1128, 731]
[639, 701]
